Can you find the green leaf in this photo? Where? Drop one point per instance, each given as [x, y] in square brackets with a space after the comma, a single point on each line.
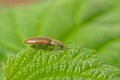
[69, 63]
[93, 23]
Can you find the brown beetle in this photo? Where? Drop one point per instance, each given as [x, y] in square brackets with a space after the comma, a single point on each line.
[44, 41]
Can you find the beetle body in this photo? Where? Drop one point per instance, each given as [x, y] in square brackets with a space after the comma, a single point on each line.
[44, 41]
[38, 41]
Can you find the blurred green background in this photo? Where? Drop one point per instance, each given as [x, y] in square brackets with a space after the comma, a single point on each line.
[94, 24]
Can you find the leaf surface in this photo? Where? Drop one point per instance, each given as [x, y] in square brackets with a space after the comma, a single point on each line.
[70, 63]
